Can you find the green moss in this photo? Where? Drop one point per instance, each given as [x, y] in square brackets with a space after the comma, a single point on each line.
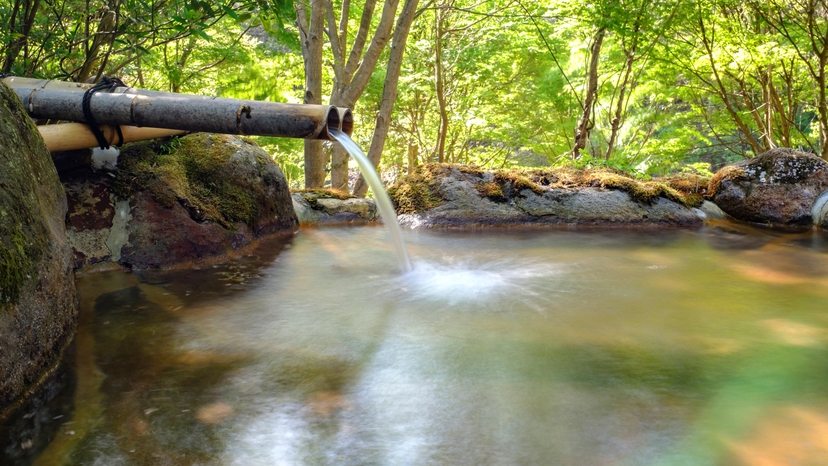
[189, 171]
[518, 179]
[27, 183]
[492, 191]
[312, 195]
[687, 190]
[730, 172]
[417, 191]
[20, 252]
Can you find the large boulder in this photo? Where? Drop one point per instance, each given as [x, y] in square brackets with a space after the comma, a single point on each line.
[38, 308]
[446, 195]
[778, 187]
[174, 202]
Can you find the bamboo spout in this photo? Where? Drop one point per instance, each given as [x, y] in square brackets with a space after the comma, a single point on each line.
[58, 100]
[346, 119]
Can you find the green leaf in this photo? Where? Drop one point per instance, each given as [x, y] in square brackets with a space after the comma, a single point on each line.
[229, 11]
[201, 33]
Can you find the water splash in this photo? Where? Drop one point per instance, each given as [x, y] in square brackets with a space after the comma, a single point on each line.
[480, 283]
[819, 211]
[386, 208]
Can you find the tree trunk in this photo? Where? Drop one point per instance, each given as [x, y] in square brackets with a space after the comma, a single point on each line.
[767, 90]
[615, 125]
[439, 84]
[20, 25]
[310, 34]
[351, 77]
[585, 123]
[823, 102]
[103, 38]
[389, 89]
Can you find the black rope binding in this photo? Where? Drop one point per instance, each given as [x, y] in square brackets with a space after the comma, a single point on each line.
[105, 83]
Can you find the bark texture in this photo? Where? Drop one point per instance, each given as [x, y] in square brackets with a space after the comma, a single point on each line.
[389, 89]
[311, 25]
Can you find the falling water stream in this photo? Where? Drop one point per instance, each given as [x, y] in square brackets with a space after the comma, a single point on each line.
[384, 204]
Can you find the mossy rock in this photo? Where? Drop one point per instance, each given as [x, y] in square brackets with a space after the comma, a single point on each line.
[778, 187]
[418, 191]
[312, 195]
[38, 309]
[198, 172]
[421, 190]
[24, 238]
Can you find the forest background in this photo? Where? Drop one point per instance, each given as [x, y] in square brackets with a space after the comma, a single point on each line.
[650, 87]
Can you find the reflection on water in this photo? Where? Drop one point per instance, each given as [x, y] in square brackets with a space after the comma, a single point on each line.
[538, 346]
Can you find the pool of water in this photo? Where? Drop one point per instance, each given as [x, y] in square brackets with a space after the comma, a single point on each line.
[505, 346]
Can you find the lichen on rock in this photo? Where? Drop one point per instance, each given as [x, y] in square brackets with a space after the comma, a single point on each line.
[778, 187]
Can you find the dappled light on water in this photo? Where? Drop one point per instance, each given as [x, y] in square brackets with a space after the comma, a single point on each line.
[538, 346]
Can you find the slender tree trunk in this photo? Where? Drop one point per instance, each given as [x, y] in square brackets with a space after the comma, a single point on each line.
[720, 89]
[22, 20]
[351, 76]
[310, 34]
[103, 38]
[439, 84]
[823, 104]
[413, 155]
[767, 89]
[389, 90]
[615, 125]
[585, 122]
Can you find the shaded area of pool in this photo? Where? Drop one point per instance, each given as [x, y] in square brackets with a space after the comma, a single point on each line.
[537, 346]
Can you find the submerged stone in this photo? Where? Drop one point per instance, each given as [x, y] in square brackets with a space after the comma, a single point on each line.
[38, 309]
[778, 187]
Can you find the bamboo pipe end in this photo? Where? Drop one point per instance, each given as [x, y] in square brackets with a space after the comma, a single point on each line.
[346, 119]
[331, 121]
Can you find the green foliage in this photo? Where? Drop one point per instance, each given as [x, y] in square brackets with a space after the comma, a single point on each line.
[682, 86]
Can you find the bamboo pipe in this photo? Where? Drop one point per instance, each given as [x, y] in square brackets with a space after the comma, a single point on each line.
[71, 136]
[23, 86]
[346, 120]
[228, 116]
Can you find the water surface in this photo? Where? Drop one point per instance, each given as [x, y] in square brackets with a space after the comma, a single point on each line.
[539, 346]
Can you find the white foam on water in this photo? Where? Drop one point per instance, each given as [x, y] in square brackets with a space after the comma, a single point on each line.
[455, 283]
